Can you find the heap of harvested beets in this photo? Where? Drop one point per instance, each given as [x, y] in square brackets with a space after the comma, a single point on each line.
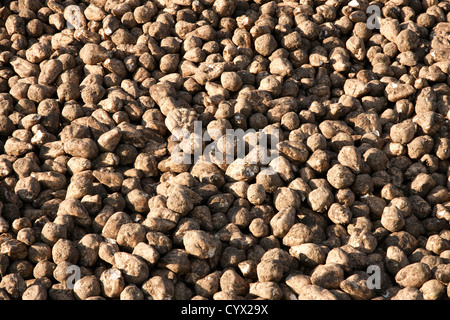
[120, 171]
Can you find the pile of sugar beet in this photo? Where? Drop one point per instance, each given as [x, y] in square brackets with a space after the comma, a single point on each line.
[94, 206]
